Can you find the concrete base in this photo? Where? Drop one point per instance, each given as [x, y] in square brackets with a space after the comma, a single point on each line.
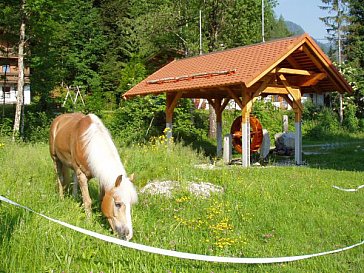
[245, 144]
[228, 150]
[298, 144]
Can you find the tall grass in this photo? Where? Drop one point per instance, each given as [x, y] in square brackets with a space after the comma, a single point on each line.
[263, 212]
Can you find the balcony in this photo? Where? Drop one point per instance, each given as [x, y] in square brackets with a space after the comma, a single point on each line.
[12, 77]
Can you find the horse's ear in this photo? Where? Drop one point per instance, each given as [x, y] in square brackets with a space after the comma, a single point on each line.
[132, 177]
[118, 181]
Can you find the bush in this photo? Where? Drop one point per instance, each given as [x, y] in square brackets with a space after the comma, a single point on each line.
[351, 122]
[271, 117]
[6, 127]
[136, 120]
[361, 124]
[325, 124]
[36, 127]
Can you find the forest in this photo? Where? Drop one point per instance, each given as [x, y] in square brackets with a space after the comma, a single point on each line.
[107, 46]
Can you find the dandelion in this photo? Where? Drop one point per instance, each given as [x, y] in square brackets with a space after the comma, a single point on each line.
[222, 226]
[224, 242]
[183, 199]
[2, 145]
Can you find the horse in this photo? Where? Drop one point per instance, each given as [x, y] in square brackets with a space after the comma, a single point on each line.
[82, 143]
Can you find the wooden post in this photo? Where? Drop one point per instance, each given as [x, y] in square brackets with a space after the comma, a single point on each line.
[218, 112]
[169, 117]
[298, 109]
[298, 137]
[245, 129]
[218, 106]
[285, 123]
[172, 99]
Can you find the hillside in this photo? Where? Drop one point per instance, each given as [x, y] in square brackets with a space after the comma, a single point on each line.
[297, 30]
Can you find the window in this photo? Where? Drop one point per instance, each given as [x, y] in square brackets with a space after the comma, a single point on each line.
[6, 90]
[6, 68]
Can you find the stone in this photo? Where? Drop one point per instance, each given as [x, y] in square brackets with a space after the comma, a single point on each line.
[265, 146]
[285, 143]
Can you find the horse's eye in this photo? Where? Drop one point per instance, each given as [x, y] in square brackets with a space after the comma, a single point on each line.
[118, 205]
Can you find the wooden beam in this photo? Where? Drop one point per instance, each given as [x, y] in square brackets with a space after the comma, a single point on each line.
[277, 90]
[288, 100]
[313, 59]
[247, 103]
[320, 66]
[245, 139]
[293, 62]
[225, 103]
[292, 71]
[313, 80]
[219, 104]
[262, 87]
[236, 98]
[172, 100]
[296, 94]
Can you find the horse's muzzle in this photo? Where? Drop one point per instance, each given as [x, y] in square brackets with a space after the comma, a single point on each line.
[124, 232]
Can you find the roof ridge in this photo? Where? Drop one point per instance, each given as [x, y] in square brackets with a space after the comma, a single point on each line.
[295, 37]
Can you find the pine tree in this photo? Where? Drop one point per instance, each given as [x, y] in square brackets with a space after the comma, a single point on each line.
[336, 29]
[354, 51]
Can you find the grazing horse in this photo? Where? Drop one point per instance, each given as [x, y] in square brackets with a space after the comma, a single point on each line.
[82, 143]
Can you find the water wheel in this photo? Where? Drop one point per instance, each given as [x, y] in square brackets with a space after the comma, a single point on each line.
[256, 134]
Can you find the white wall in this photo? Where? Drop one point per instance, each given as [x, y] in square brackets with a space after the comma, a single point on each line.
[10, 98]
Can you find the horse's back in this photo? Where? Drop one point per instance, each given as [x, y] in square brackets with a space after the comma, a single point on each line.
[63, 135]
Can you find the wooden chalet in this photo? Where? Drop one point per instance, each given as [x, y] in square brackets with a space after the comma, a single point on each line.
[289, 67]
[9, 74]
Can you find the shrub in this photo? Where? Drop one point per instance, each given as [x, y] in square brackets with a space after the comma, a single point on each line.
[36, 128]
[136, 120]
[325, 124]
[351, 122]
[6, 127]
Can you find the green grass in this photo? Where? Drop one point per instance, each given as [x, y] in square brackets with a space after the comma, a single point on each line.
[264, 212]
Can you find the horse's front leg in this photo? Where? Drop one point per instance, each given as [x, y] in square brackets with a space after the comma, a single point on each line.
[83, 183]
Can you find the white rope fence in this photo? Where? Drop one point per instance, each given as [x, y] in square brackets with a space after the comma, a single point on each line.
[177, 254]
[348, 190]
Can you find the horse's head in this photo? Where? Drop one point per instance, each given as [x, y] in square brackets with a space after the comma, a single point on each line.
[116, 206]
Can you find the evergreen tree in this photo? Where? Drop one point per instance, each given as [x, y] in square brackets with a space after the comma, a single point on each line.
[354, 50]
[279, 29]
[336, 29]
[336, 23]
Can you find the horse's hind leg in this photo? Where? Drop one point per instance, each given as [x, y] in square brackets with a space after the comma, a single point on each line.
[75, 184]
[58, 166]
[83, 183]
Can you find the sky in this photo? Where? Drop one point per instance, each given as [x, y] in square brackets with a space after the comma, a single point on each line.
[305, 13]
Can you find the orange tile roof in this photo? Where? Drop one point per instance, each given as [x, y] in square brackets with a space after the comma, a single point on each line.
[244, 65]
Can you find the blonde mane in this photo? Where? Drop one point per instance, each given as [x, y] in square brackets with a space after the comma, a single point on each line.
[104, 160]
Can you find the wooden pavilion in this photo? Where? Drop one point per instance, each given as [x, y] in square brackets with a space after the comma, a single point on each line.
[288, 67]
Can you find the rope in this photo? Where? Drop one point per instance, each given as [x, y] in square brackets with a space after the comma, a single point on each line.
[177, 254]
[348, 190]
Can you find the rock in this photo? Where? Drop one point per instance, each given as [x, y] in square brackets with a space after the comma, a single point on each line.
[284, 143]
[265, 146]
[160, 187]
[202, 189]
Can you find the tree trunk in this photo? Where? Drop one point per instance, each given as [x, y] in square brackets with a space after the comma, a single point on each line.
[212, 122]
[20, 89]
[214, 24]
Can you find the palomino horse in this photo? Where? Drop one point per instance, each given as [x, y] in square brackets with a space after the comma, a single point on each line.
[82, 143]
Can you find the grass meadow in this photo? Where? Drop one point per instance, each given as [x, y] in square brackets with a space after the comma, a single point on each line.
[269, 211]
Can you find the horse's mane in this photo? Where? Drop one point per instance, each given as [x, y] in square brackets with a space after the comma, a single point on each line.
[103, 158]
